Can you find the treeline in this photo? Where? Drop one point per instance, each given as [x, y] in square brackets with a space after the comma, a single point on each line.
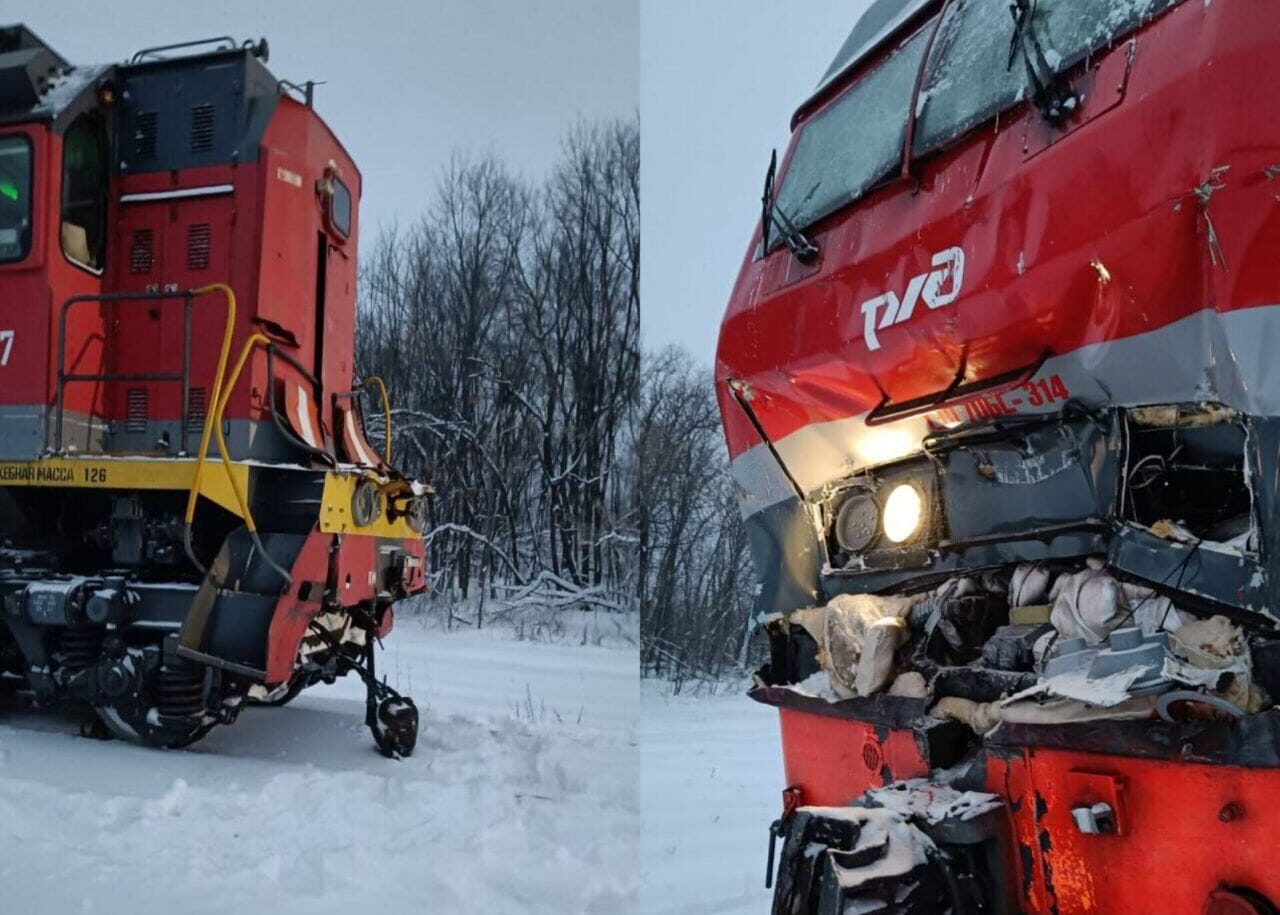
[696, 579]
[570, 472]
[506, 323]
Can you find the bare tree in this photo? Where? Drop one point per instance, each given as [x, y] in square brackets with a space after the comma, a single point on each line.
[695, 577]
[507, 321]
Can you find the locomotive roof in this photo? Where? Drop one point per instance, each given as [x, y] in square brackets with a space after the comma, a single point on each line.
[873, 28]
[36, 82]
[39, 84]
[235, 88]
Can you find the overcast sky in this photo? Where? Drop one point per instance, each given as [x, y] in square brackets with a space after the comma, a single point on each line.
[407, 82]
[719, 80]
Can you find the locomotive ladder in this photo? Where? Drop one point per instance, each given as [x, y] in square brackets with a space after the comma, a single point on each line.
[218, 394]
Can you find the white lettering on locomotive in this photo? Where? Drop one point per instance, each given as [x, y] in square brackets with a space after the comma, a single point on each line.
[6, 346]
[937, 288]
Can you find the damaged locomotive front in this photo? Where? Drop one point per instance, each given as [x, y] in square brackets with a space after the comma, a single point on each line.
[1084, 590]
[1009, 457]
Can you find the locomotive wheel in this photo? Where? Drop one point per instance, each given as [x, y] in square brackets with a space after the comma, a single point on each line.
[294, 689]
[168, 738]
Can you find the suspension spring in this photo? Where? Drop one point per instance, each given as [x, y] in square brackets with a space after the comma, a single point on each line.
[80, 646]
[180, 690]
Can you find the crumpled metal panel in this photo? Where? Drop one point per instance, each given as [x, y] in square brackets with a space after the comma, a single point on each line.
[1051, 475]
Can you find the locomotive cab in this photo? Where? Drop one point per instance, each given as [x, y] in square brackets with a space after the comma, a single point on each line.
[191, 514]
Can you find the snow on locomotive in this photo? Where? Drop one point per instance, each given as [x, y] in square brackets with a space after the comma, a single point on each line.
[191, 516]
[996, 379]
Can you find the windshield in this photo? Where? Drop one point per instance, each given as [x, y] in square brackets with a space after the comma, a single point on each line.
[852, 143]
[15, 198]
[972, 75]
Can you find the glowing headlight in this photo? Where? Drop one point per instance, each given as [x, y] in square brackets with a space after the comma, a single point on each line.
[903, 512]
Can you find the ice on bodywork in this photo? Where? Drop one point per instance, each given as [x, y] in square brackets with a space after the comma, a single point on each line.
[1213, 654]
[922, 799]
[855, 860]
[857, 637]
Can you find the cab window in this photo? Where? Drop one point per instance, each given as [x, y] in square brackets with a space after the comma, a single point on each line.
[340, 208]
[854, 142]
[972, 74]
[970, 78]
[15, 198]
[84, 193]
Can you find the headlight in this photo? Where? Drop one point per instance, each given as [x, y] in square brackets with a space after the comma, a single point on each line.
[857, 522]
[903, 513]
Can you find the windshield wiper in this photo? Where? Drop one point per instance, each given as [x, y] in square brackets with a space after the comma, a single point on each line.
[771, 215]
[1053, 96]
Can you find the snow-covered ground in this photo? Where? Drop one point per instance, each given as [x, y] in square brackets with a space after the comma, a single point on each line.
[521, 797]
[711, 783]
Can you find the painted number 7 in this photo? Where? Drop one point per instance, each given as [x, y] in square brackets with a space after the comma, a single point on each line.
[6, 346]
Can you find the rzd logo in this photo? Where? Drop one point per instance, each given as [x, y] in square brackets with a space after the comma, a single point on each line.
[938, 287]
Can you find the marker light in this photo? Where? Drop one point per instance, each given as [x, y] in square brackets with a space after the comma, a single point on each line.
[903, 512]
[857, 522]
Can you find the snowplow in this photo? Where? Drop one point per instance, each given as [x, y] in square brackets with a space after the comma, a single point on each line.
[191, 516]
[997, 386]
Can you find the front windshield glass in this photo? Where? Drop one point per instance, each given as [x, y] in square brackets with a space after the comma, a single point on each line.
[854, 142]
[972, 74]
[970, 78]
[15, 198]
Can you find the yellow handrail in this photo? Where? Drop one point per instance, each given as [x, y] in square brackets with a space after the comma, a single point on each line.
[219, 408]
[213, 418]
[386, 412]
[221, 405]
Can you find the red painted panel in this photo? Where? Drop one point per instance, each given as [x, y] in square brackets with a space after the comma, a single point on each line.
[833, 760]
[1188, 828]
[1177, 847]
[1118, 189]
[261, 238]
[292, 615]
[357, 566]
[32, 291]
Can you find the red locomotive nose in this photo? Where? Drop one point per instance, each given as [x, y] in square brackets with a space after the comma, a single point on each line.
[1237, 901]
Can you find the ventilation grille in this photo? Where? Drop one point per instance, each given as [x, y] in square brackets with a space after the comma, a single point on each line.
[144, 137]
[202, 128]
[197, 404]
[198, 246]
[136, 418]
[142, 251]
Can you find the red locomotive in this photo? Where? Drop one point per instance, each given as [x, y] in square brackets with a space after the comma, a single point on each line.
[996, 383]
[191, 516]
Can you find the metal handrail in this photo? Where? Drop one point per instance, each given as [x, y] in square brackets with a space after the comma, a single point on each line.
[216, 418]
[386, 413]
[374, 381]
[64, 378]
[219, 395]
[215, 395]
[225, 42]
